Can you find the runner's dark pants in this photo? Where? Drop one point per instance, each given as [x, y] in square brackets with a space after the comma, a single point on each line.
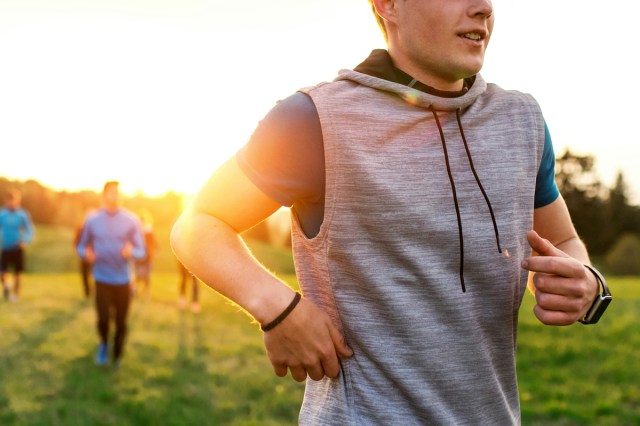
[85, 273]
[185, 275]
[117, 297]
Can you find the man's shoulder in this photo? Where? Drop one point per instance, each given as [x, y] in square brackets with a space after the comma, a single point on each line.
[291, 115]
[96, 214]
[495, 90]
[512, 99]
[95, 218]
[128, 215]
[341, 81]
[298, 104]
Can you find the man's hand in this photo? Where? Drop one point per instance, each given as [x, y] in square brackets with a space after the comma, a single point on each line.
[126, 250]
[89, 254]
[307, 343]
[564, 288]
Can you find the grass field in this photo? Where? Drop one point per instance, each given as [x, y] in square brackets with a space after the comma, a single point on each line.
[210, 368]
[583, 375]
[179, 368]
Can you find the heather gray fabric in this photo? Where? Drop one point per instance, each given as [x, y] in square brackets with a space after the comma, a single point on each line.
[385, 263]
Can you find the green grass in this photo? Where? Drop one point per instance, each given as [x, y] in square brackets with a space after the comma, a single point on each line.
[179, 368]
[211, 368]
[53, 251]
[581, 374]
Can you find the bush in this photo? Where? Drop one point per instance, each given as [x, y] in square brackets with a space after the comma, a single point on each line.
[624, 256]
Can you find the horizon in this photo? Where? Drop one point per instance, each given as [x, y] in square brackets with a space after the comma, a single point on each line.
[127, 192]
[157, 96]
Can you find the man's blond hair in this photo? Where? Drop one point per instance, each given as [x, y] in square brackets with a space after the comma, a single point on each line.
[379, 19]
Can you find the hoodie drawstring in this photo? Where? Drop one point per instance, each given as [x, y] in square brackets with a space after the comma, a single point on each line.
[484, 193]
[455, 199]
[455, 194]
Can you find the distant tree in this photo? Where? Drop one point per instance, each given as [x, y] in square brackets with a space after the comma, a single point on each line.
[576, 175]
[37, 199]
[584, 194]
[624, 256]
[164, 209]
[624, 218]
[49, 207]
[72, 207]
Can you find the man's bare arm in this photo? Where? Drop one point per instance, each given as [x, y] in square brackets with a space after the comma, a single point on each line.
[206, 240]
[564, 288]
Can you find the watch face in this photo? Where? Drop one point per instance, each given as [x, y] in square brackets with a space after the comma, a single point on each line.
[597, 309]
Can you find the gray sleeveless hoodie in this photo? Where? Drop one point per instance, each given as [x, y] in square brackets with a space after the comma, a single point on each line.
[417, 262]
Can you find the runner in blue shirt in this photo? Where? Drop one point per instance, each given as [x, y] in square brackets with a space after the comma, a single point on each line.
[111, 237]
[16, 230]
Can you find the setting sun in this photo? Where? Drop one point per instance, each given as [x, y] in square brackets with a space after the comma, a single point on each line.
[156, 96]
[159, 94]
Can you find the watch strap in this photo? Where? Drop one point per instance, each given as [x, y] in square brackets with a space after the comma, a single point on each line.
[601, 301]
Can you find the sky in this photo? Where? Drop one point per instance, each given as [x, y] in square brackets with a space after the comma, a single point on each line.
[158, 93]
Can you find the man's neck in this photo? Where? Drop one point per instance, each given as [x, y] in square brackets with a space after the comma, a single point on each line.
[439, 83]
[379, 64]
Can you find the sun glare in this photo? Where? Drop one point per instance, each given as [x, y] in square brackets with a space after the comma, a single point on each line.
[158, 94]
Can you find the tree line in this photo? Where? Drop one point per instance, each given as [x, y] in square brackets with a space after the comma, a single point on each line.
[604, 217]
[64, 208]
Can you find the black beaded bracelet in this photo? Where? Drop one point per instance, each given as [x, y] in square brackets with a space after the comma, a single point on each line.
[283, 315]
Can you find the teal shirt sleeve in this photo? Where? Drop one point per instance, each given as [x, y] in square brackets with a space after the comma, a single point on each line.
[28, 228]
[16, 228]
[546, 189]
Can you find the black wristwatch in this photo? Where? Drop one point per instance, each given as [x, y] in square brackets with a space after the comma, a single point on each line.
[602, 300]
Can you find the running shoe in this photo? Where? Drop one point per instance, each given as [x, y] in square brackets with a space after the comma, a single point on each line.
[102, 355]
[182, 302]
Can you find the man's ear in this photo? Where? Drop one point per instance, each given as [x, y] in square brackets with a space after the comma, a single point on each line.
[386, 9]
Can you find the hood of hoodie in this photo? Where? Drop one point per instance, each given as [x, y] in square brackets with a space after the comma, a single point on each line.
[378, 72]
